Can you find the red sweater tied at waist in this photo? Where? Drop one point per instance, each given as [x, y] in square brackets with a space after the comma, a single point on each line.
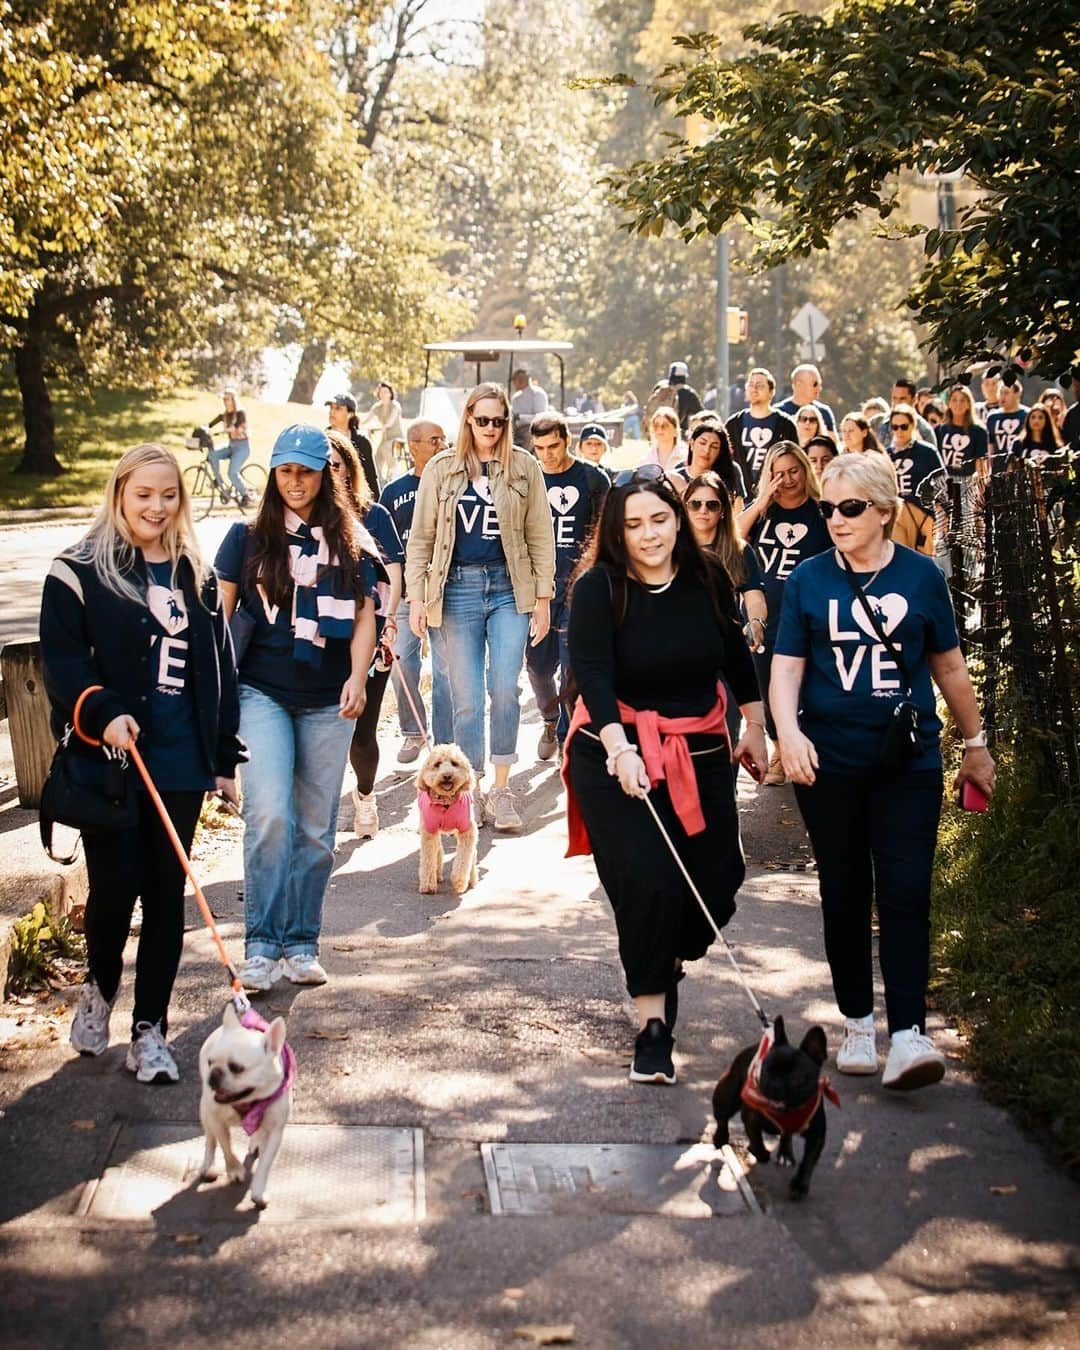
[662, 745]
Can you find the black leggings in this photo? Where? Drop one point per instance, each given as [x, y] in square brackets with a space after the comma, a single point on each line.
[126, 865]
[364, 750]
[874, 838]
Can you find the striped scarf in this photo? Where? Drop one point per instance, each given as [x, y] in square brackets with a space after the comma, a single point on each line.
[324, 602]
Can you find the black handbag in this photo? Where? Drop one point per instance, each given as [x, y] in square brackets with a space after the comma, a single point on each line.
[87, 793]
[900, 743]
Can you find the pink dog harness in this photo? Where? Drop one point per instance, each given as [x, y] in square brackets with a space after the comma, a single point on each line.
[251, 1113]
[453, 817]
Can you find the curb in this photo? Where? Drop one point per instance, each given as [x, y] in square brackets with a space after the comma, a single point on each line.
[45, 515]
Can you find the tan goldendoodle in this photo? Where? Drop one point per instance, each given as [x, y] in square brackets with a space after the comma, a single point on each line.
[444, 787]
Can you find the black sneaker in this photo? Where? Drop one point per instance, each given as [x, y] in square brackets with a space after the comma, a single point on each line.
[671, 1000]
[652, 1054]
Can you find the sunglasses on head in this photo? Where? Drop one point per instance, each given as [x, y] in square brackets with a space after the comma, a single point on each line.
[849, 508]
[644, 473]
[497, 422]
[712, 505]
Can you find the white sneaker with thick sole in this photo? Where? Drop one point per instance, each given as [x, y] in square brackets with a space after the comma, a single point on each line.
[259, 973]
[90, 1029]
[149, 1058]
[303, 968]
[365, 815]
[502, 810]
[913, 1062]
[858, 1053]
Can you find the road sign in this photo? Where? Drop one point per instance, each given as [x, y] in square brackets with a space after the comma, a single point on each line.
[809, 323]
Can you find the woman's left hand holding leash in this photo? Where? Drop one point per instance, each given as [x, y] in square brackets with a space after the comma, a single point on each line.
[630, 770]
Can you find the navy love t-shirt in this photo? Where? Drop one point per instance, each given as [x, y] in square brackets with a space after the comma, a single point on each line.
[960, 447]
[914, 465]
[756, 436]
[172, 745]
[570, 495]
[1004, 430]
[782, 540]
[476, 537]
[851, 684]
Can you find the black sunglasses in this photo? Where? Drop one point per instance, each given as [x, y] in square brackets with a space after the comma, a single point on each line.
[712, 506]
[899, 426]
[849, 508]
[497, 422]
[644, 473]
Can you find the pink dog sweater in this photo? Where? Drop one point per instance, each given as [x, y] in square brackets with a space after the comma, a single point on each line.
[453, 817]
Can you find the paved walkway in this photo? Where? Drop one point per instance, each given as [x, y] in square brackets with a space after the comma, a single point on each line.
[499, 1019]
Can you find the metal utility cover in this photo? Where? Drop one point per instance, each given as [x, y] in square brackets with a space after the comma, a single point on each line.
[327, 1174]
[689, 1182]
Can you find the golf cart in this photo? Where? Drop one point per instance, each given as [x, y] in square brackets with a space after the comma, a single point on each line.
[443, 403]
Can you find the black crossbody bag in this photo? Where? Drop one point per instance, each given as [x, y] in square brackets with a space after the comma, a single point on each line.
[900, 744]
[86, 793]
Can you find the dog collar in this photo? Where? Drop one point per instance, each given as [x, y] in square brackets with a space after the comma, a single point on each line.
[787, 1122]
[251, 1113]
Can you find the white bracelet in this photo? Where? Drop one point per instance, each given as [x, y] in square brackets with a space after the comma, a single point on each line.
[976, 742]
[613, 758]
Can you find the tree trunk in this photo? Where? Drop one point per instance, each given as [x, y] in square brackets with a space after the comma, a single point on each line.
[39, 453]
[308, 372]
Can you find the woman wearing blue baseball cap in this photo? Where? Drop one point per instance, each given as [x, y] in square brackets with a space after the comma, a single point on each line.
[298, 584]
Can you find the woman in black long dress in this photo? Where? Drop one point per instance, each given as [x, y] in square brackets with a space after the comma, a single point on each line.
[653, 627]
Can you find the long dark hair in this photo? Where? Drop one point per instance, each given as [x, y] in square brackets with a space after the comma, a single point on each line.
[269, 562]
[727, 543]
[1050, 440]
[724, 463]
[607, 549]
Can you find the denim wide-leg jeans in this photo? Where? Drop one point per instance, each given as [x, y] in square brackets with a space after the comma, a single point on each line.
[292, 789]
[483, 633]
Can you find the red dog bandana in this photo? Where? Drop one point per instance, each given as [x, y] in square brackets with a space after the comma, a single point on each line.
[787, 1122]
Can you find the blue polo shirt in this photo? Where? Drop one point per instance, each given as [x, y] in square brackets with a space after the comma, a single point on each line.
[399, 498]
[851, 684]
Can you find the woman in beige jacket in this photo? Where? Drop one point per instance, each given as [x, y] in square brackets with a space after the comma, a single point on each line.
[481, 561]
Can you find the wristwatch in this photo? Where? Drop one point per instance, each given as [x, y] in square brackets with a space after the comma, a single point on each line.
[976, 742]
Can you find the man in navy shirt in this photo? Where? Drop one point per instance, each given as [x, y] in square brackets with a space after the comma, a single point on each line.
[915, 461]
[806, 388]
[425, 439]
[1005, 424]
[576, 492]
[759, 426]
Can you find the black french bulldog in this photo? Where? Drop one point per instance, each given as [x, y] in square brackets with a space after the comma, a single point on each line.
[782, 1093]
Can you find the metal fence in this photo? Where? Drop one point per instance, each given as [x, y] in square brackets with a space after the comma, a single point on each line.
[1015, 578]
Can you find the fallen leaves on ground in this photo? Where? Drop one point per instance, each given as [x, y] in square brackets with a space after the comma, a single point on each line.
[326, 1034]
[186, 1239]
[1004, 1190]
[84, 1124]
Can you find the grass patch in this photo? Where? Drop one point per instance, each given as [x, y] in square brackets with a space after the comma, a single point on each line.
[44, 952]
[93, 430]
[1005, 929]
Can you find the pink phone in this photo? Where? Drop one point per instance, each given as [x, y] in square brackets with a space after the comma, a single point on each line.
[972, 798]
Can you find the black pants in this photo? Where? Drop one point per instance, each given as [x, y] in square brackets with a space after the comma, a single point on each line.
[874, 839]
[364, 749]
[139, 864]
[763, 671]
[657, 918]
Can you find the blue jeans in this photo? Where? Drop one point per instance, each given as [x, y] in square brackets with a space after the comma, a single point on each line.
[543, 662]
[236, 452]
[481, 628]
[406, 672]
[292, 789]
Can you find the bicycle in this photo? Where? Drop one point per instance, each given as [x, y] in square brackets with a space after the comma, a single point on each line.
[203, 488]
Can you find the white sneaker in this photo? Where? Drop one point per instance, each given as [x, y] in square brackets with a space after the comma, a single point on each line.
[502, 810]
[858, 1053]
[90, 1029]
[259, 973]
[913, 1062]
[365, 815]
[303, 968]
[149, 1058]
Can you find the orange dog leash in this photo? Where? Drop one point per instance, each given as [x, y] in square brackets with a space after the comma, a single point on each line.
[240, 999]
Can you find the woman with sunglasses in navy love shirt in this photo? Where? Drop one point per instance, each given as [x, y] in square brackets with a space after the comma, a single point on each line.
[784, 526]
[480, 574]
[836, 689]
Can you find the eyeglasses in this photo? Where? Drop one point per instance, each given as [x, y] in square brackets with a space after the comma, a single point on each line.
[806, 417]
[438, 440]
[899, 426]
[712, 505]
[849, 508]
[644, 473]
[497, 422]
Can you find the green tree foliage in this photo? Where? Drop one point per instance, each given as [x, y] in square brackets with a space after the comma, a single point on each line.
[169, 174]
[819, 120]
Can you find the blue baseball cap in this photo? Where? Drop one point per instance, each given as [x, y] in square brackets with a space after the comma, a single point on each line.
[591, 429]
[301, 444]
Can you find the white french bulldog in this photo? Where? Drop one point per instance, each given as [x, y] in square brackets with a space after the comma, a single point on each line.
[247, 1071]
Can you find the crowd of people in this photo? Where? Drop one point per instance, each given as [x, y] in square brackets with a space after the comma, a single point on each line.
[768, 578]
